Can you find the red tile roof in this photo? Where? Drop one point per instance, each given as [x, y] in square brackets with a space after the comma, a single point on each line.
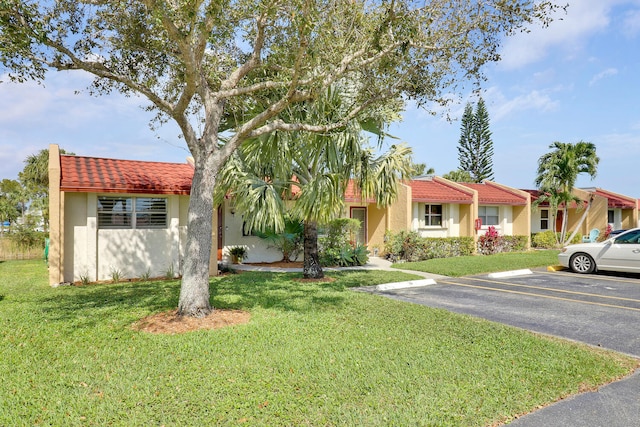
[435, 191]
[98, 175]
[617, 200]
[490, 194]
[613, 200]
[353, 194]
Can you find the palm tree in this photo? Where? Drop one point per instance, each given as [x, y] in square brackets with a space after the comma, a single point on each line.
[558, 172]
[307, 174]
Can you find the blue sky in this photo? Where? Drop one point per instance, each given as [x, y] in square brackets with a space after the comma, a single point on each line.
[577, 80]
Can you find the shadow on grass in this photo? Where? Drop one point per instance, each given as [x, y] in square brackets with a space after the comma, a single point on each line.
[87, 306]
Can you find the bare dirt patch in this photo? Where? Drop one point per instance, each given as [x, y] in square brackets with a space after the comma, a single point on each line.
[170, 323]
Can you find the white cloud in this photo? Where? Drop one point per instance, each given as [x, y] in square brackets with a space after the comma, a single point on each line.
[601, 75]
[500, 106]
[569, 32]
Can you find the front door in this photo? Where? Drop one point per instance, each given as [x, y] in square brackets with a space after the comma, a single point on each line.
[220, 228]
[361, 215]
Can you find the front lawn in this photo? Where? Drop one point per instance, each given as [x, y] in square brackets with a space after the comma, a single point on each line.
[313, 354]
[477, 264]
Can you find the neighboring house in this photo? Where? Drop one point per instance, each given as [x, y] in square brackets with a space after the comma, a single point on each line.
[129, 217]
[115, 216]
[622, 211]
[442, 208]
[607, 208]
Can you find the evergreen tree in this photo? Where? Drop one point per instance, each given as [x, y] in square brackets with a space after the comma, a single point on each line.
[475, 147]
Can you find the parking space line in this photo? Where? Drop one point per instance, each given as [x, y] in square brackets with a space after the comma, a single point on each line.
[517, 285]
[538, 295]
[591, 276]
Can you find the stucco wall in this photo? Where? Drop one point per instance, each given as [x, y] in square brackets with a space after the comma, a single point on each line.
[450, 221]
[96, 254]
[258, 249]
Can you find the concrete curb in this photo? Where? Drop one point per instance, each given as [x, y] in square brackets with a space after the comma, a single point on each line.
[402, 285]
[511, 273]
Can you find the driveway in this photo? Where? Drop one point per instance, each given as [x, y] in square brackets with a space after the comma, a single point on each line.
[600, 310]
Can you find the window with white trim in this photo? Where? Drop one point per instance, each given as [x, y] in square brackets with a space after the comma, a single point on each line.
[432, 215]
[132, 212]
[544, 219]
[490, 215]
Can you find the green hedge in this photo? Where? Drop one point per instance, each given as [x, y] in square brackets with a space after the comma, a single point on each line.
[409, 246]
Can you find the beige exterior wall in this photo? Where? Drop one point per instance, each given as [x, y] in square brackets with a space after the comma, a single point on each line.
[97, 253]
[376, 219]
[450, 221]
[399, 213]
[629, 218]
[258, 249]
[56, 218]
[595, 218]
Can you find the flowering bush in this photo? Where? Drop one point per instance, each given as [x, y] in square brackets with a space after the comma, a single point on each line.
[490, 243]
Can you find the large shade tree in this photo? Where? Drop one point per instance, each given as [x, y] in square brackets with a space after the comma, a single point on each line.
[557, 174]
[305, 175]
[205, 64]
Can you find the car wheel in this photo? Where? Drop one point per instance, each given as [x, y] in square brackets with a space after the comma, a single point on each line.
[582, 263]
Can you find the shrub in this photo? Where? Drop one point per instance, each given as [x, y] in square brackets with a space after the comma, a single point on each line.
[490, 243]
[409, 246]
[544, 240]
[289, 242]
[514, 243]
[26, 238]
[338, 246]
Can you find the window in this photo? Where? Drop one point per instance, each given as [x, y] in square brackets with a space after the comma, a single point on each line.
[132, 212]
[544, 219]
[489, 215]
[611, 216]
[632, 237]
[432, 215]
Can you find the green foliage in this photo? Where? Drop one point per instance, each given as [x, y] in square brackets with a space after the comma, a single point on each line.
[338, 247]
[458, 176]
[475, 147]
[26, 238]
[492, 243]
[289, 241]
[544, 240]
[116, 275]
[321, 355]
[514, 243]
[147, 275]
[238, 252]
[409, 246]
[558, 172]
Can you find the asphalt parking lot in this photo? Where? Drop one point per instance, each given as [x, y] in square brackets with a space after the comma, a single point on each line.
[602, 310]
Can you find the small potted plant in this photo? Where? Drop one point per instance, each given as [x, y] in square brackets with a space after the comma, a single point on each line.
[238, 253]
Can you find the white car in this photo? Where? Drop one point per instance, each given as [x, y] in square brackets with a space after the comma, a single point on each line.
[618, 253]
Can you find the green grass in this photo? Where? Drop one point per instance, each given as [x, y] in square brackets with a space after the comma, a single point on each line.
[477, 264]
[313, 354]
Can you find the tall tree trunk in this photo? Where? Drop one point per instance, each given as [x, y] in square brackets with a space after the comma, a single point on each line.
[194, 292]
[312, 268]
